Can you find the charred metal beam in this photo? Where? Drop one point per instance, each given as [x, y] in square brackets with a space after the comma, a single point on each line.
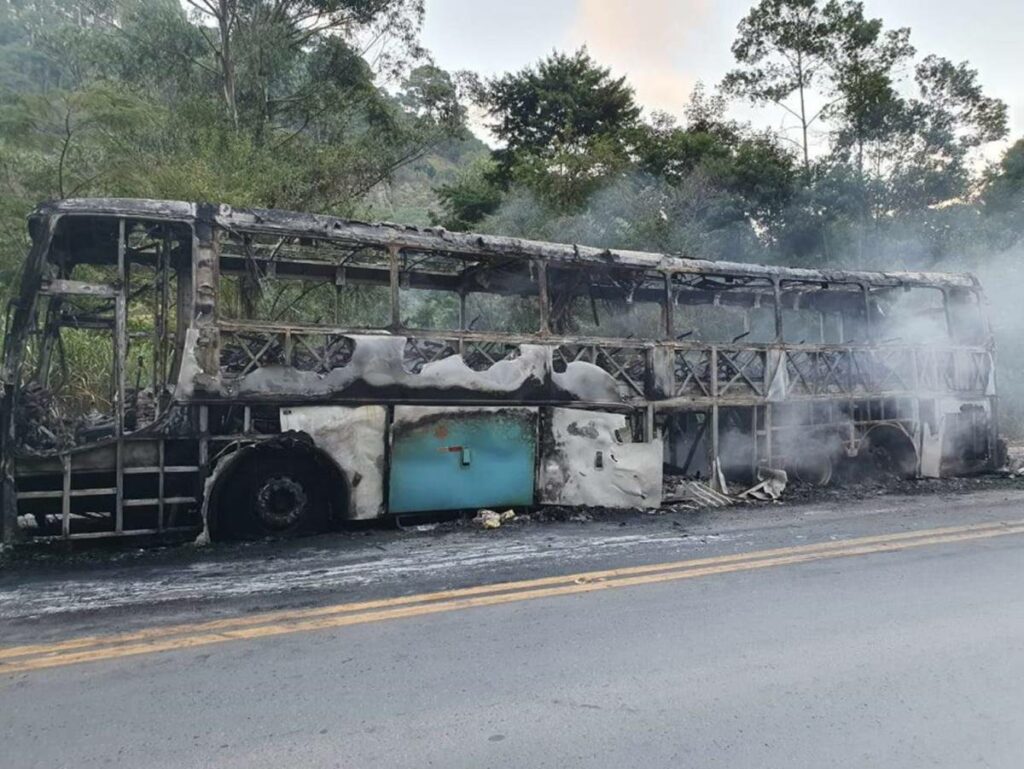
[77, 288]
[439, 241]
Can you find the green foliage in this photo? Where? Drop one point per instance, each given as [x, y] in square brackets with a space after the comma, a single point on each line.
[242, 101]
[907, 151]
[1003, 192]
[753, 168]
[564, 124]
[331, 105]
[863, 72]
[706, 188]
[76, 140]
[781, 46]
[472, 196]
[915, 151]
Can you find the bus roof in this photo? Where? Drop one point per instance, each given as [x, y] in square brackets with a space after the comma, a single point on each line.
[474, 245]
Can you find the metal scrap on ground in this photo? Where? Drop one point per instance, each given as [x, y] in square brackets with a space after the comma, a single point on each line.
[698, 493]
[769, 489]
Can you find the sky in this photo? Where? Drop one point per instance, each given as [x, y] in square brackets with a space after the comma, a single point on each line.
[664, 47]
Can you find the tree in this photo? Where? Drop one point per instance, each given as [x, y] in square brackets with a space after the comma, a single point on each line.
[831, 56]
[953, 117]
[918, 150]
[902, 135]
[564, 124]
[470, 198]
[667, 150]
[782, 47]
[752, 168]
[255, 43]
[127, 97]
[296, 89]
[430, 93]
[863, 76]
[1003, 190]
[672, 152]
[81, 139]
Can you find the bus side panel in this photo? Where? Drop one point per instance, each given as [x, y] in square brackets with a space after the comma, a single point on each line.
[589, 459]
[354, 439]
[461, 458]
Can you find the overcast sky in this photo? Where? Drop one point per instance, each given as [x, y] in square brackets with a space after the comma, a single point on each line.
[665, 46]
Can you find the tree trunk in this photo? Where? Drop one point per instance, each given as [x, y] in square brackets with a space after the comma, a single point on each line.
[225, 18]
[803, 112]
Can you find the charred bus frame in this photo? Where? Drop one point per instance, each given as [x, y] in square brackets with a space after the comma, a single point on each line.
[633, 364]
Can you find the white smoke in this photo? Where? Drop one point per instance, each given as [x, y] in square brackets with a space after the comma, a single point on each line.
[1002, 277]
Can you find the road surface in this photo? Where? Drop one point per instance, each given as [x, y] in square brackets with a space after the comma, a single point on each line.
[880, 632]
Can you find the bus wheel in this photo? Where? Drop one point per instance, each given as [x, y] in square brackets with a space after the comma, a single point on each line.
[283, 488]
[891, 452]
[816, 471]
[281, 502]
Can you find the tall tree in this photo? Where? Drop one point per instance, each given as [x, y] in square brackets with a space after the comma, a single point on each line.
[782, 47]
[918, 147]
[865, 65]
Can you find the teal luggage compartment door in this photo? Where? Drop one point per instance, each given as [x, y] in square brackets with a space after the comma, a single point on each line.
[446, 458]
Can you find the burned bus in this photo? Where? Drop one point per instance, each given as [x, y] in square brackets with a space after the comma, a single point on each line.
[182, 367]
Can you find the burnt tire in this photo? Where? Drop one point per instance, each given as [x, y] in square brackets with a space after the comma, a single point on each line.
[890, 453]
[814, 471]
[284, 488]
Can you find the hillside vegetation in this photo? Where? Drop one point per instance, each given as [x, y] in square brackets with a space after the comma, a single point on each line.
[334, 106]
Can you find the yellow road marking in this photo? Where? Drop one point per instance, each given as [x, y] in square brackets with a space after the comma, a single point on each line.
[179, 637]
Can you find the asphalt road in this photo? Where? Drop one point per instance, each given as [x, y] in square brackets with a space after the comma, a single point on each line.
[832, 634]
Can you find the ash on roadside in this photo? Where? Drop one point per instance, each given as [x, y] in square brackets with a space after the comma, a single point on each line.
[381, 535]
[889, 485]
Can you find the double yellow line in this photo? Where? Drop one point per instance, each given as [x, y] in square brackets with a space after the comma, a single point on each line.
[18, 659]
